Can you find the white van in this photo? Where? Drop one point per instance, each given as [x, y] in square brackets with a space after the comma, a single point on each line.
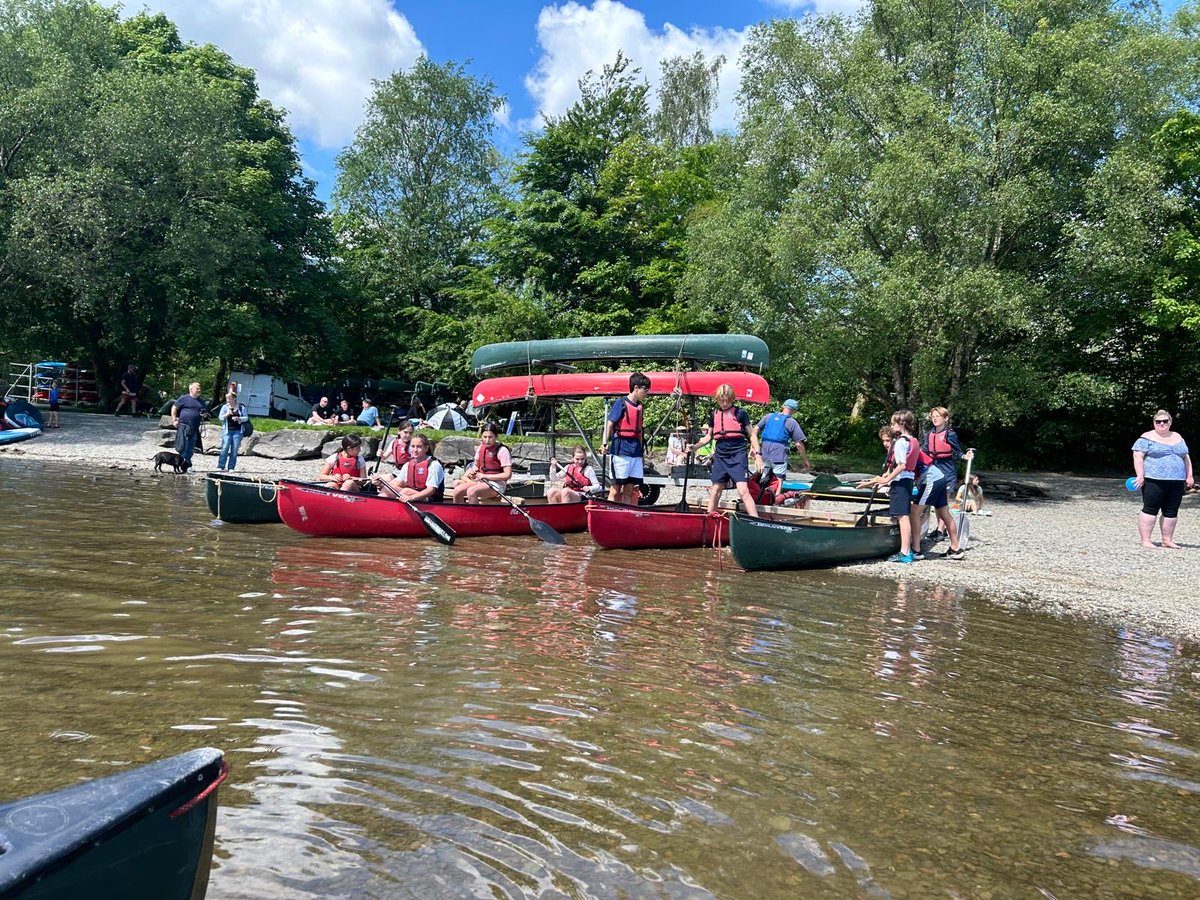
[266, 395]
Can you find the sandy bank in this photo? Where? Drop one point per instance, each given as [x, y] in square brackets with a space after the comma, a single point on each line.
[1076, 553]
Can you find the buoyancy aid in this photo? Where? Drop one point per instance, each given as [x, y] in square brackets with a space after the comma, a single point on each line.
[417, 478]
[764, 495]
[574, 477]
[487, 459]
[938, 444]
[630, 423]
[400, 453]
[726, 425]
[345, 465]
[916, 459]
[776, 428]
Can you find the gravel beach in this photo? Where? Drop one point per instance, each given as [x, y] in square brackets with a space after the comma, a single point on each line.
[1076, 553]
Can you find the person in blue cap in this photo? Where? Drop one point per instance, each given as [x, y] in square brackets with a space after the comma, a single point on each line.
[775, 431]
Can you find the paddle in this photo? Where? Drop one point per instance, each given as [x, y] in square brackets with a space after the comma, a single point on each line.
[822, 484]
[383, 443]
[438, 529]
[961, 522]
[682, 505]
[541, 529]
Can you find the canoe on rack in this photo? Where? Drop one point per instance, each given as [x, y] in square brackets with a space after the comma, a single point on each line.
[797, 539]
[313, 509]
[730, 349]
[147, 832]
[619, 526]
[747, 386]
[240, 500]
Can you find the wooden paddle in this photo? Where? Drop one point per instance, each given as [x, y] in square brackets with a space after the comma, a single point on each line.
[961, 522]
[541, 529]
[437, 529]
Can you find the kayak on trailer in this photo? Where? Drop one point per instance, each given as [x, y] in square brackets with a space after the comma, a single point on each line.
[240, 500]
[731, 349]
[16, 435]
[800, 539]
[147, 832]
[328, 512]
[747, 386]
[619, 526]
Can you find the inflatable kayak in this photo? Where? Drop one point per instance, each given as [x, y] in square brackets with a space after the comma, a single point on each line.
[16, 435]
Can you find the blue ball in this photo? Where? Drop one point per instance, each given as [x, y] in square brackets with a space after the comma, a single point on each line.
[1131, 483]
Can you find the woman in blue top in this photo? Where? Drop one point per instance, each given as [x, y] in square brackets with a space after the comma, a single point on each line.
[232, 415]
[1162, 468]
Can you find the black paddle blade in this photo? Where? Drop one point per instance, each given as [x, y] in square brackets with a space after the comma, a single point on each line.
[545, 532]
[438, 529]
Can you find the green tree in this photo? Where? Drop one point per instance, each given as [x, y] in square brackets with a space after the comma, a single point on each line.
[687, 96]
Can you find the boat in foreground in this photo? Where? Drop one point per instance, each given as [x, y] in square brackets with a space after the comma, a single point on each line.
[240, 500]
[619, 526]
[16, 435]
[731, 349]
[794, 539]
[317, 510]
[144, 833]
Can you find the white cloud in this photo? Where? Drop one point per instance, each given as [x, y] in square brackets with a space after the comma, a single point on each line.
[316, 58]
[575, 38]
[821, 7]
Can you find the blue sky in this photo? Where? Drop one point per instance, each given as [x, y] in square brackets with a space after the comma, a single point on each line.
[317, 58]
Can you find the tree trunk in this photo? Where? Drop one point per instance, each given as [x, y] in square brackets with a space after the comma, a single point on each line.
[221, 383]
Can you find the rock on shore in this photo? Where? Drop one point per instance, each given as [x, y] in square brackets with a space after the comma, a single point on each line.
[1076, 552]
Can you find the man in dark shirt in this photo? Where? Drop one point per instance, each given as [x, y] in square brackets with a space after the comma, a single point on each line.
[130, 385]
[323, 414]
[186, 414]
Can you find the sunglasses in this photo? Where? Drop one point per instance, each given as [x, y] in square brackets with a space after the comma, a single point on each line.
[1162, 421]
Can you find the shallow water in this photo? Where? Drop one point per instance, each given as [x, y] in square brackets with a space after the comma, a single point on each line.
[504, 718]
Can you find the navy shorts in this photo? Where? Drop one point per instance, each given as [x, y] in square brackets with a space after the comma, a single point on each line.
[727, 471]
[932, 493]
[900, 497]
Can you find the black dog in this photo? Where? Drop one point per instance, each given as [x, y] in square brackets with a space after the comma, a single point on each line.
[170, 458]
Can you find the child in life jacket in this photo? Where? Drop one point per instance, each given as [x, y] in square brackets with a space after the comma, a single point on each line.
[729, 427]
[578, 479]
[422, 478]
[898, 478]
[399, 451]
[931, 487]
[344, 470]
[488, 474]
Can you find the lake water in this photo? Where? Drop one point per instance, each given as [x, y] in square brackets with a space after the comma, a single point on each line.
[503, 718]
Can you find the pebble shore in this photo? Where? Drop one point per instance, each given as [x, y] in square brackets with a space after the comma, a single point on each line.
[1076, 553]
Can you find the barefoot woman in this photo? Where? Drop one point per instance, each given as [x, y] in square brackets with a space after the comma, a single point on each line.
[1162, 469]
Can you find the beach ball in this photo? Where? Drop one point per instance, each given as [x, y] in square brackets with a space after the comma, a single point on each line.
[1131, 483]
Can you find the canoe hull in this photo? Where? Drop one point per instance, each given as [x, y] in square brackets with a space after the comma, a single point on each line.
[747, 386]
[239, 500]
[127, 835]
[322, 511]
[807, 543]
[619, 526]
[731, 349]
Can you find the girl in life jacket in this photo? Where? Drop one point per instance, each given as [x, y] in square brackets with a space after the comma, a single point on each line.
[422, 478]
[400, 451]
[344, 470]
[729, 426]
[488, 474]
[578, 478]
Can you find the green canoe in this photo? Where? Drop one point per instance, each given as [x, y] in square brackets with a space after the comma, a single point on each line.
[802, 540]
[731, 349]
[239, 500]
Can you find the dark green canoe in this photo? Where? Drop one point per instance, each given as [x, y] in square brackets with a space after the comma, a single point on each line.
[731, 349]
[809, 540]
[239, 500]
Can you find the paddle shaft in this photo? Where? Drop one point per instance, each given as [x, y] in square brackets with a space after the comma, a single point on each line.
[541, 529]
[438, 529]
[383, 443]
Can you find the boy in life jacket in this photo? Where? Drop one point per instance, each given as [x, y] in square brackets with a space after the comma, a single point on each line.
[898, 477]
[344, 470]
[931, 488]
[422, 477]
[578, 478]
[624, 426]
[488, 474]
[729, 427]
[775, 430]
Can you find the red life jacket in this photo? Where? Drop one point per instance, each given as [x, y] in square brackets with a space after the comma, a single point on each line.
[345, 465]
[400, 453]
[574, 477]
[726, 425]
[417, 478]
[916, 461]
[630, 423]
[939, 444]
[487, 459]
[764, 496]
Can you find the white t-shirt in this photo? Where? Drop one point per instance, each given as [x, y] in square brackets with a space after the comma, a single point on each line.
[436, 475]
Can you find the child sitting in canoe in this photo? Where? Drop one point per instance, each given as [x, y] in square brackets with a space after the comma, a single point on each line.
[728, 428]
[421, 478]
[488, 474]
[344, 470]
[578, 479]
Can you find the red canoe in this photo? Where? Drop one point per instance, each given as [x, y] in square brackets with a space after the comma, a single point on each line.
[620, 526]
[746, 386]
[313, 509]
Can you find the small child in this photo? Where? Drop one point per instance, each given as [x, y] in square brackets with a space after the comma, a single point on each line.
[54, 400]
[970, 496]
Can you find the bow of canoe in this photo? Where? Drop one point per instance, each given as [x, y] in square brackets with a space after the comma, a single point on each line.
[620, 526]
